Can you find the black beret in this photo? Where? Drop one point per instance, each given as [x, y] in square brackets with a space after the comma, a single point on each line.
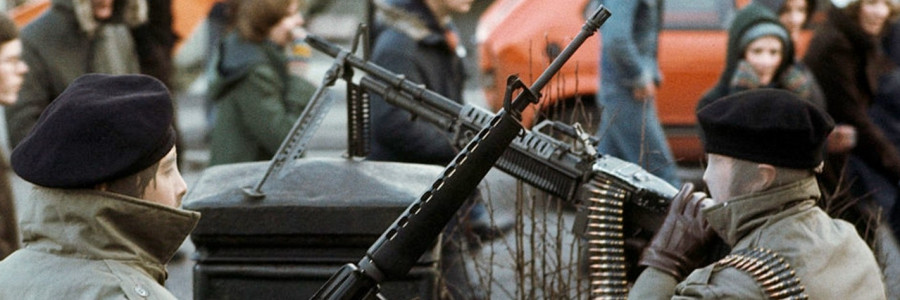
[102, 127]
[769, 126]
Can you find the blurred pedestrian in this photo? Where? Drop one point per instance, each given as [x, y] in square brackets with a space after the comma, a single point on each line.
[846, 57]
[103, 218]
[761, 54]
[155, 40]
[257, 98]
[419, 41]
[764, 147]
[522, 37]
[218, 22]
[12, 70]
[417, 38]
[72, 38]
[629, 127]
[793, 14]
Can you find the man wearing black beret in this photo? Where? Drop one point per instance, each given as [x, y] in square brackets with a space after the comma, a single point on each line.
[103, 218]
[764, 147]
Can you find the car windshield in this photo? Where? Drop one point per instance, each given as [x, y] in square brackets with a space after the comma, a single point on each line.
[697, 14]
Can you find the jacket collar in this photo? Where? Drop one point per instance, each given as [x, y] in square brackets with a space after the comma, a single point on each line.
[131, 13]
[738, 217]
[94, 224]
[413, 18]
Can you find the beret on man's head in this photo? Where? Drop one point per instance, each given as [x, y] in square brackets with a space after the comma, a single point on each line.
[769, 126]
[102, 127]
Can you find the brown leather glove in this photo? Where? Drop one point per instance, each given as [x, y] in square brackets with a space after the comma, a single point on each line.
[679, 246]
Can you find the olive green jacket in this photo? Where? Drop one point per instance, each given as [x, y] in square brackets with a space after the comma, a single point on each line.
[829, 257]
[257, 101]
[89, 244]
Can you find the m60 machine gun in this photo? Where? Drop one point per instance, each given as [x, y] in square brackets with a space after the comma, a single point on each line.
[616, 196]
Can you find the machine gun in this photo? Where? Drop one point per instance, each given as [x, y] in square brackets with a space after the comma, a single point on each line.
[614, 196]
[403, 242]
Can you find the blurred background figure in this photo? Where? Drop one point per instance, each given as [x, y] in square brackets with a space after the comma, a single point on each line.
[629, 127]
[155, 40]
[72, 38]
[417, 38]
[257, 99]
[522, 37]
[793, 14]
[12, 70]
[846, 57]
[760, 54]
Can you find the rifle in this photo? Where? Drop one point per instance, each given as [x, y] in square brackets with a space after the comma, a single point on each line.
[394, 253]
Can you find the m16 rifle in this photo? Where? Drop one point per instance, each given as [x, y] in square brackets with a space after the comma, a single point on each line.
[610, 191]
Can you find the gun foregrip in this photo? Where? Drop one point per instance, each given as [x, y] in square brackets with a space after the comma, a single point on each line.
[348, 283]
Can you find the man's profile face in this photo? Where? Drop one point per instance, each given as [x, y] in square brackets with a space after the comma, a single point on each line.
[718, 177]
[168, 187]
[12, 71]
[103, 9]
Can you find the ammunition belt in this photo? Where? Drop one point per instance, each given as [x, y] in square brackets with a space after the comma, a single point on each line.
[606, 242]
[774, 275]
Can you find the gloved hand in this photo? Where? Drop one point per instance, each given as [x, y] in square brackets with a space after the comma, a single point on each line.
[680, 245]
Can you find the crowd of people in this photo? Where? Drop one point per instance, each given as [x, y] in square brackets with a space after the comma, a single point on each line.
[803, 150]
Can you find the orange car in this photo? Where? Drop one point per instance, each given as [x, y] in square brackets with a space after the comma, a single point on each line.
[522, 37]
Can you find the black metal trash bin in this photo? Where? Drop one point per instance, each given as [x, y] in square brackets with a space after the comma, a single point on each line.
[321, 214]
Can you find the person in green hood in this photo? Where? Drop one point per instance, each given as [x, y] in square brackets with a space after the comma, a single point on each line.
[103, 217]
[764, 147]
[761, 54]
[256, 97]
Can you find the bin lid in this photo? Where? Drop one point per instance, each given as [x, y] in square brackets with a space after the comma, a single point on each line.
[312, 196]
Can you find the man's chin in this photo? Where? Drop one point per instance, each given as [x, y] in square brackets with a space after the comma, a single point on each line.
[8, 99]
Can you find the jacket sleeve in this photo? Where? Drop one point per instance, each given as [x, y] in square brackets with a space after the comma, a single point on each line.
[34, 96]
[619, 43]
[413, 140]
[653, 284]
[705, 283]
[263, 111]
[9, 233]
[834, 65]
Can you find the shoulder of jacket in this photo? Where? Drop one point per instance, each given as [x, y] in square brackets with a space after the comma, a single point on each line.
[713, 282]
[771, 272]
[136, 284]
[51, 24]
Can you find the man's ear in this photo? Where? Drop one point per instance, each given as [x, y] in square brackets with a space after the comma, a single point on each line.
[766, 177]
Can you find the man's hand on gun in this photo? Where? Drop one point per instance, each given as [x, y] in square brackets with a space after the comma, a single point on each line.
[680, 245]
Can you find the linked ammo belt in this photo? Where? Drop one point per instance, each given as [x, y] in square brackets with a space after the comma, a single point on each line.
[774, 275]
